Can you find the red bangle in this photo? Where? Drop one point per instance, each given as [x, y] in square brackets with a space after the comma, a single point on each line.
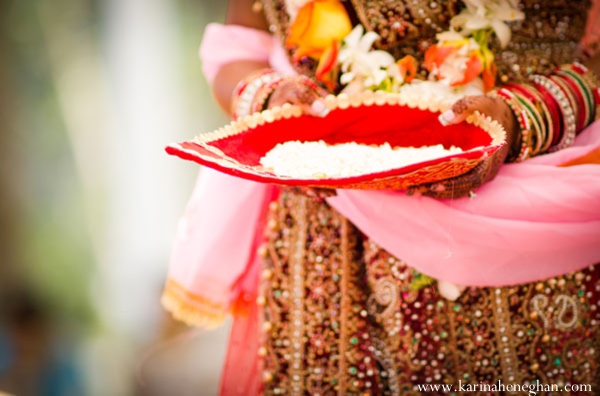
[549, 118]
[555, 110]
[582, 113]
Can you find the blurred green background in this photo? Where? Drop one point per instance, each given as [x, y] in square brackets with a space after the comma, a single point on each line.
[91, 93]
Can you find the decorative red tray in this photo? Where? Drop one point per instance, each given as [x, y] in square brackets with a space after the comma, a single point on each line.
[372, 118]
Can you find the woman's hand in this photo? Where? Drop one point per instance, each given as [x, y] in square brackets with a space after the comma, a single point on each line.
[296, 91]
[463, 185]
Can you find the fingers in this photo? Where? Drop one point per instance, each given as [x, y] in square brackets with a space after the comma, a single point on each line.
[465, 107]
[489, 106]
[296, 93]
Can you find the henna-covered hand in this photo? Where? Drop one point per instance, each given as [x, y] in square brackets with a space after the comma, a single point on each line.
[294, 91]
[464, 184]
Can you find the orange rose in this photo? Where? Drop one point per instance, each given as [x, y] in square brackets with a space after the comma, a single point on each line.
[460, 68]
[317, 26]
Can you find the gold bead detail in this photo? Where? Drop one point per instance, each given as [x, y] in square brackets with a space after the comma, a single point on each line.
[343, 101]
[268, 116]
[267, 376]
[533, 315]
[267, 274]
[257, 7]
[262, 251]
[380, 98]
[356, 100]
[392, 99]
[286, 110]
[331, 102]
[267, 326]
[250, 121]
[546, 338]
[368, 98]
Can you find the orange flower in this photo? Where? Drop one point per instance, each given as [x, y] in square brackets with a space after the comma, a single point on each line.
[318, 24]
[408, 68]
[327, 69]
[489, 69]
[437, 54]
[460, 61]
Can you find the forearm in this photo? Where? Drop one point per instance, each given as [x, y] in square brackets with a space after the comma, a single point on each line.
[229, 76]
[240, 13]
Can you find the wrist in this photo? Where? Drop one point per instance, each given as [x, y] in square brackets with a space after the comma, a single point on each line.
[252, 89]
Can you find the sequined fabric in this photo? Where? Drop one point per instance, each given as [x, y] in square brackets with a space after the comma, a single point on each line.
[549, 35]
[342, 316]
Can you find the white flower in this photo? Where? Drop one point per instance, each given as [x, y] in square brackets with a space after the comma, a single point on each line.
[293, 6]
[440, 92]
[455, 66]
[362, 67]
[484, 14]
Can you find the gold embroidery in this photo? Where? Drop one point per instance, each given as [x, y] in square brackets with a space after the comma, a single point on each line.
[297, 312]
[364, 330]
[503, 336]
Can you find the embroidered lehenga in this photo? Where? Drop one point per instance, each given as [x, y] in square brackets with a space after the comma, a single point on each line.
[341, 315]
[344, 317]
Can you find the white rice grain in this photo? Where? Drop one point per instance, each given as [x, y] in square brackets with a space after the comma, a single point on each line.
[308, 160]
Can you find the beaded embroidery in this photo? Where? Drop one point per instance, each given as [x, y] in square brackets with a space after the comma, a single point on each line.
[350, 321]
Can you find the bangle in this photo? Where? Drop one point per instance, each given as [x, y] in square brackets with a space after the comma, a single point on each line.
[538, 112]
[555, 113]
[263, 94]
[522, 118]
[577, 89]
[592, 81]
[588, 82]
[537, 132]
[567, 90]
[547, 115]
[246, 90]
[568, 117]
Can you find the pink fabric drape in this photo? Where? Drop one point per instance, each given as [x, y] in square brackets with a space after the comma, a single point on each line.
[213, 248]
[535, 220]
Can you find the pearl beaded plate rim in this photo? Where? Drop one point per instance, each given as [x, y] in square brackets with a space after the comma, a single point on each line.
[367, 118]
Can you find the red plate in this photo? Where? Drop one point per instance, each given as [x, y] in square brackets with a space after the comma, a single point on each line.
[237, 148]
